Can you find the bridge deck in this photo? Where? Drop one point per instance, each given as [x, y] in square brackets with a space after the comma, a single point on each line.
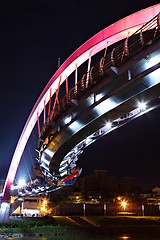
[119, 95]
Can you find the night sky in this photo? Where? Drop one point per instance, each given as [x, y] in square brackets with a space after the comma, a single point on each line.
[34, 34]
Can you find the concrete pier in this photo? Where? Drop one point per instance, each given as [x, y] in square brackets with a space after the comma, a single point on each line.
[4, 211]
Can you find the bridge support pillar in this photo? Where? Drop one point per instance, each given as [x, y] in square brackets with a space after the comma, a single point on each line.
[4, 211]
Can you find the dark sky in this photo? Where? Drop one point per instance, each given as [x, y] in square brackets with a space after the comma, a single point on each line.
[34, 34]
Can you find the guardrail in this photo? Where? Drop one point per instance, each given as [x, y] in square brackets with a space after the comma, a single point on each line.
[126, 48]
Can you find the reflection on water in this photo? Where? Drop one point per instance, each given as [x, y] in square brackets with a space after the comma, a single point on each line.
[124, 237]
[118, 237]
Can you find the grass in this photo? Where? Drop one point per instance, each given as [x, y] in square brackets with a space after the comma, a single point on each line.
[47, 220]
[63, 221]
[45, 224]
[47, 227]
[60, 226]
[126, 221]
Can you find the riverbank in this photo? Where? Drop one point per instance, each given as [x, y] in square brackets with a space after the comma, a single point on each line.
[64, 228]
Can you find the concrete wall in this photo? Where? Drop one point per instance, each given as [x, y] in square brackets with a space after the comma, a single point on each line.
[68, 209]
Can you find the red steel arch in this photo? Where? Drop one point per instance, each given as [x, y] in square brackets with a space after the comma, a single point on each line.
[111, 34]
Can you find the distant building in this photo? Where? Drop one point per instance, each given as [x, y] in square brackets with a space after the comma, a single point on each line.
[127, 186]
[32, 206]
[99, 183]
[156, 190]
[151, 197]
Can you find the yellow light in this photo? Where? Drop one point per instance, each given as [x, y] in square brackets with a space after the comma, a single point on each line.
[45, 202]
[124, 237]
[12, 200]
[44, 206]
[124, 204]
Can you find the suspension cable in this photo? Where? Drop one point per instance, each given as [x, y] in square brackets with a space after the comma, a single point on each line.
[34, 138]
[39, 131]
[44, 111]
[105, 52]
[15, 181]
[27, 167]
[30, 152]
[56, 98]
[49, 108]
[67, 89]
[21, 172]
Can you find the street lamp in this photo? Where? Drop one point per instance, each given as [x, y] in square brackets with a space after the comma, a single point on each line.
[44, 206]
[45, 202]
[123, 203]
[12, 201]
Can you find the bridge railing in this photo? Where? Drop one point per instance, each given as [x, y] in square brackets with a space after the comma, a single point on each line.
[126, 48]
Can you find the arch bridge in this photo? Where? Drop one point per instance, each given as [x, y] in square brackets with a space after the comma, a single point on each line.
[122, 85]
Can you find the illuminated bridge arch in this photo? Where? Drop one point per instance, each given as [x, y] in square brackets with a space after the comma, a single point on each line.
[108, 36]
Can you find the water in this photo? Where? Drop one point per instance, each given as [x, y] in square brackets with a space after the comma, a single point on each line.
[118, 237]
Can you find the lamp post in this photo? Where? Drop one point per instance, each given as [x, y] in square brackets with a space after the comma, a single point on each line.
[105, 209]
[84, 209]
[44, 207]
[123, 203]
[142, 210]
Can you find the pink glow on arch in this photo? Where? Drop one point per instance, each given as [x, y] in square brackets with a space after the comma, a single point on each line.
[115, 32]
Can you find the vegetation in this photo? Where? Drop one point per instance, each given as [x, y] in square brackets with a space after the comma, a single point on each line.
[126, 221]
[46, 220]
[47, 227]
[61, 226]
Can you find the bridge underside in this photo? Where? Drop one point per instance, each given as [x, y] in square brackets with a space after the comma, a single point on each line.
[117, 93]
[110, 101]
[107, 97]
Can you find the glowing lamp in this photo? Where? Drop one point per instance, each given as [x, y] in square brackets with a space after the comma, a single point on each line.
[142, 106]
[98, 97]
[12, 200]
[44, 202]
[124, 204]
[67, 120]
[108, 124]
[87, 140]
[12, 187]
[21, 183]
[153, 61]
